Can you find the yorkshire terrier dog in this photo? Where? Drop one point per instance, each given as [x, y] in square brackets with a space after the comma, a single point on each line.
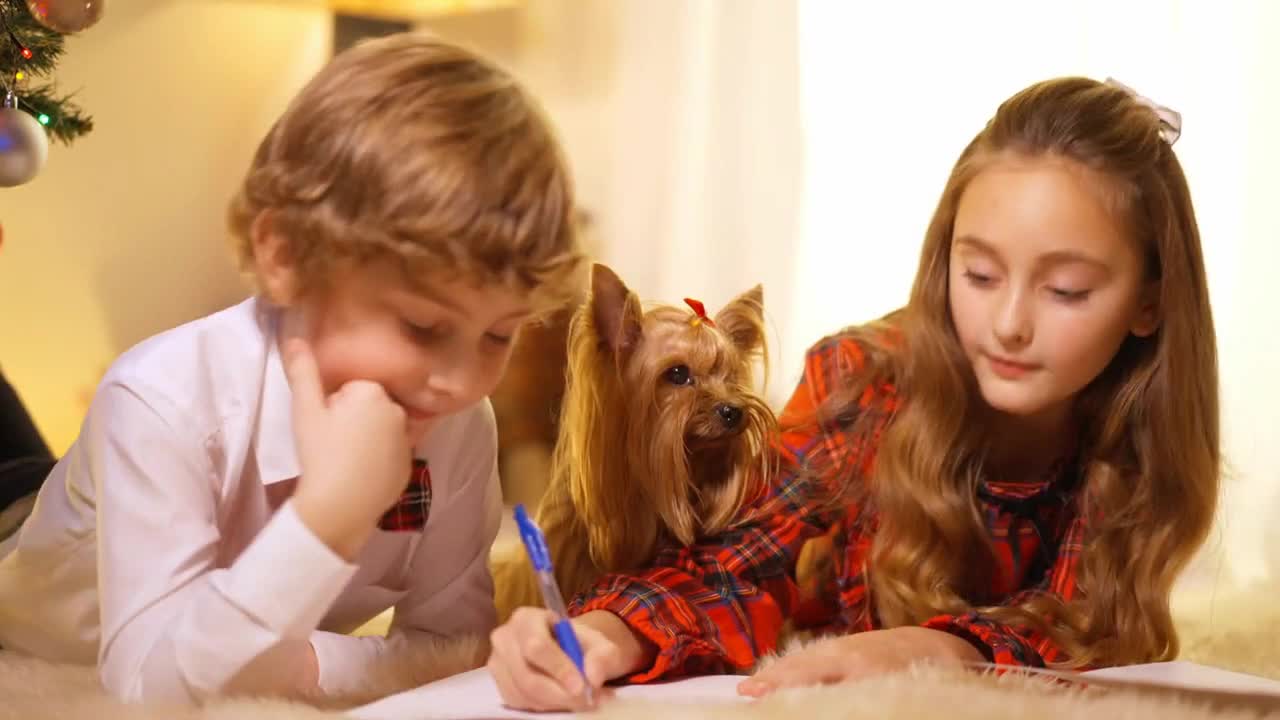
[662, 437]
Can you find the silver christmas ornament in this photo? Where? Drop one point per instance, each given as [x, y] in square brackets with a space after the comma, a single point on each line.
[24, 147]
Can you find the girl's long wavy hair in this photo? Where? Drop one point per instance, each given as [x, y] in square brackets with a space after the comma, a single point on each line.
[1149, 450]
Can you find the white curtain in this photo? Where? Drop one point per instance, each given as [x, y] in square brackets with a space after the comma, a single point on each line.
[705, 188]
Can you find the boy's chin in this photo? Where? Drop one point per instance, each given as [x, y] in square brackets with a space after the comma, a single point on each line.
[418, 430]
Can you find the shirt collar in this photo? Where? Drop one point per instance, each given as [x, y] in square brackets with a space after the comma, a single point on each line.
[274, 447]
[1060, 477]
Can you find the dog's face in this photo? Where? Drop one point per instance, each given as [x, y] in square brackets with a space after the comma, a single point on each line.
[694, 422]
[700, 376]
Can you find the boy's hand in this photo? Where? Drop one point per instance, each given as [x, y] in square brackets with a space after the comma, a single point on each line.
[533, 673]
[354, 450]
[853, 657]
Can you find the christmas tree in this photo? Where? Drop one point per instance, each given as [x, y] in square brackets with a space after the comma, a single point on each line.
[30, 47]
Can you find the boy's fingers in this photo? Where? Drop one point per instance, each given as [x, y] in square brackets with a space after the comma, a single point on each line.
[304, 380]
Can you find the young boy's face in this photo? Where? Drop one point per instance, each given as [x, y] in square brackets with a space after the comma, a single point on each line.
[434, 351]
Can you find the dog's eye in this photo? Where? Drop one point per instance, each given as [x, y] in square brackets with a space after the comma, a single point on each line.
[678, 375]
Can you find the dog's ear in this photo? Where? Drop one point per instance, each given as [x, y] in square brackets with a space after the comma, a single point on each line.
[615, 311]
[742, 320]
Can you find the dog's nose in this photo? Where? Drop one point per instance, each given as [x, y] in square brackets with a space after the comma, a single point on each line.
[729, 415]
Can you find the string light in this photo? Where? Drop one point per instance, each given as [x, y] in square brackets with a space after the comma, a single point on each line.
[11, 99]
[23, 50]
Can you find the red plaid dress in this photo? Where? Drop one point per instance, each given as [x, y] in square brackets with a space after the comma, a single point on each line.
[719, 606]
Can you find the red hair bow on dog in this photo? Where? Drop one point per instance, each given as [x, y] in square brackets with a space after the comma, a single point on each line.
[699, 312]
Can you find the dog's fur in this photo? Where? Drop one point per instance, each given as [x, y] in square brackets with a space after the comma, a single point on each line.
[662, 436]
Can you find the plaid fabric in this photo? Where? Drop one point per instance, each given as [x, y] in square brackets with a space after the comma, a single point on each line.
[410, 512]
[717, 607]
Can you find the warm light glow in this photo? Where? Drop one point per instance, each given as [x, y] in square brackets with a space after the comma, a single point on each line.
[404, 9]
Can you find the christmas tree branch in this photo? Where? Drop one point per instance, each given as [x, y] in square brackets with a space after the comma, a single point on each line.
[66, 120]
[22, 30]
[18, 30]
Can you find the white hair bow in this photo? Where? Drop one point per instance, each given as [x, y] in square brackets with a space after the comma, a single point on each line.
[1170, 120]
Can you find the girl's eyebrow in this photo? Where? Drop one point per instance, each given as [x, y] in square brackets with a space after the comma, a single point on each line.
[1057, 257]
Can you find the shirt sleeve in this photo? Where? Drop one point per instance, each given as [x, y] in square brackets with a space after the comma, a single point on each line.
[450, 587]
[1022, 645]
[174, 625]
[718, 606]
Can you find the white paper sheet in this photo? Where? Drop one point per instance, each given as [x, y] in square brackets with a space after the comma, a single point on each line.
[474, 696]
[1190, 675]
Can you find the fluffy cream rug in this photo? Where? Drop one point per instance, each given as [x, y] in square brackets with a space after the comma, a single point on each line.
[1239, 633]
[926, 693]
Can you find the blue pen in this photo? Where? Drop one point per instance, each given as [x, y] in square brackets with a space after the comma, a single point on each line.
[540, 556]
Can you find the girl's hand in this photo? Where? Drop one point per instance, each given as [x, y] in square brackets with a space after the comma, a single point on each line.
[533, 673]
[853, 657]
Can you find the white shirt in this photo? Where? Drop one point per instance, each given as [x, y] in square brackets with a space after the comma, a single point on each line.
[163, 544]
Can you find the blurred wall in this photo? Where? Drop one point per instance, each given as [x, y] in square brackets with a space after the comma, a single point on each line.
[122, 234]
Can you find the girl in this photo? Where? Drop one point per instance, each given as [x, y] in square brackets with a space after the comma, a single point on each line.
[1025, 456]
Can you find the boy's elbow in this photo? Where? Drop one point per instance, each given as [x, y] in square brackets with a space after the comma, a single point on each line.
[191, 671]
[159, 676]
[139, 686]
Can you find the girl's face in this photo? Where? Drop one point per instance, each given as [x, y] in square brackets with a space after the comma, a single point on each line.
[1045, 283]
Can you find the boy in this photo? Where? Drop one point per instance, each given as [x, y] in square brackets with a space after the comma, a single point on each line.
[246, 479]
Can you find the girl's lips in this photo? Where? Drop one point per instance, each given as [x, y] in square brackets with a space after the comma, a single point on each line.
[1009, 369]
